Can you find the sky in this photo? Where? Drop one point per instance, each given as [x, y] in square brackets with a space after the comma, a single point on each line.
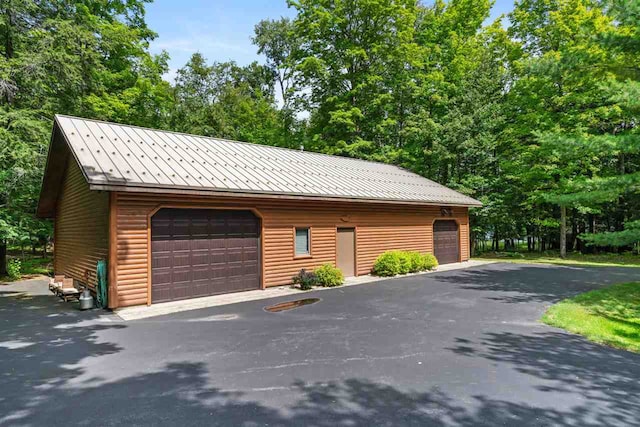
[221, 29]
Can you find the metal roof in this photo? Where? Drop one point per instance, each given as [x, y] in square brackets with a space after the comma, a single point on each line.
[115, 156]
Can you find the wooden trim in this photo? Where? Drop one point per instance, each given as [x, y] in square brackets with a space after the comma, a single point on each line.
[335, 248]
[355, 245]
[149, 251]
[192, 206]
[261, 242]
[54, 173]
[132, 188]
[113, 251]
[55, 241]
[310, 243]
[155, 210]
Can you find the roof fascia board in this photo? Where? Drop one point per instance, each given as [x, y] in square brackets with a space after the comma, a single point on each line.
[55, 167]
[214, 193]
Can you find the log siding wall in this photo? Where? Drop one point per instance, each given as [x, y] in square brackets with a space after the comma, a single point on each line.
[379, 227]
[81, 228]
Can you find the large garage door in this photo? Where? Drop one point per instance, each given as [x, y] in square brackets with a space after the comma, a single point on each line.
[446, 245]
[200, 252]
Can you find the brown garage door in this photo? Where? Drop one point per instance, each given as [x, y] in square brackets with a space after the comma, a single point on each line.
[446, 245]
[200, 252]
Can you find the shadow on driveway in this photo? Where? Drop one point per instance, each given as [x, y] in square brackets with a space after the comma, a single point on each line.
[180, 395]
[43, 344]
[606, 377]
[525, 283]
[40, 337]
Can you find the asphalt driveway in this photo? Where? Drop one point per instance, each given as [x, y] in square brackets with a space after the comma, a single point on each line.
[458, 348]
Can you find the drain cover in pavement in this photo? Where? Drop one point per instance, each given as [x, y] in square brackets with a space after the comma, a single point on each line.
[289, 305]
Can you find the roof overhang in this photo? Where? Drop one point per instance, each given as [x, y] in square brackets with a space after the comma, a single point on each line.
[57, 159]
[253, 194]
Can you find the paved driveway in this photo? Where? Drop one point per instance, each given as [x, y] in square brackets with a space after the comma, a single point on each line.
[459, 348]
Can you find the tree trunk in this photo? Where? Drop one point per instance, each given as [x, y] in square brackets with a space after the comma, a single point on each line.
[8, 42]
[571, 245]
[590, 228]
[3, 257]
[579, 246]
[563, 232]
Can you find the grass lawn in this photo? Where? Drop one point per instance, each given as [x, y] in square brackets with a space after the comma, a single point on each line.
[608, 316]
[549, 257]
[32, 266]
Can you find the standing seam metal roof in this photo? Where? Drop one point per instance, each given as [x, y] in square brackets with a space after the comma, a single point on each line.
[112, 154]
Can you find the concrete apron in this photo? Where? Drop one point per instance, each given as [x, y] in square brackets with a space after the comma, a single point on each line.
[160, 309]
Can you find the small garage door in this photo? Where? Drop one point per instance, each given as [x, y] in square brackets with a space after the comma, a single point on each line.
[446, 245]
[201, 252]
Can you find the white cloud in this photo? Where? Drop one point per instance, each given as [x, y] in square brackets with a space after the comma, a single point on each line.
[200, 43]
[214, 40]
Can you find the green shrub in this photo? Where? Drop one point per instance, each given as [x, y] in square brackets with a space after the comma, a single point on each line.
[305, 279]
[13, 269]
[429, 262]
[392, 263]
[417, 261]
[329, 276]
[387, 264]
[405, 262]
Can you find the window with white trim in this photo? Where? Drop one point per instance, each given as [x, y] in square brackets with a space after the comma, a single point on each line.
[303, 240]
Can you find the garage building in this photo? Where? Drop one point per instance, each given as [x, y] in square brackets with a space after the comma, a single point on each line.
[181, 216]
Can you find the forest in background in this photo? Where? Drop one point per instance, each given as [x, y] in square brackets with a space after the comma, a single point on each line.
[535, 114]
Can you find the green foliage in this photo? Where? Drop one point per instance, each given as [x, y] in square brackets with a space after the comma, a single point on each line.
[609, 316]
[416, 261]
[278, 41]
[630, 236]
[507, 255]
[305, 279]
[387, 264]
[14, 267]
[84, 58]
[570, 142]
[429, 262]
[352, 58]
[37, 265]
[528, 118]
[329, 276]
[392, 263]
[22, 157]
[228, 101]
[405, 262]
[606, 259]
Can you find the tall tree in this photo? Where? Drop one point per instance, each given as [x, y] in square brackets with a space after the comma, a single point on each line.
[228, 101]
[279, 43]
[565, 99]
[86, 58]
[352, 60]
